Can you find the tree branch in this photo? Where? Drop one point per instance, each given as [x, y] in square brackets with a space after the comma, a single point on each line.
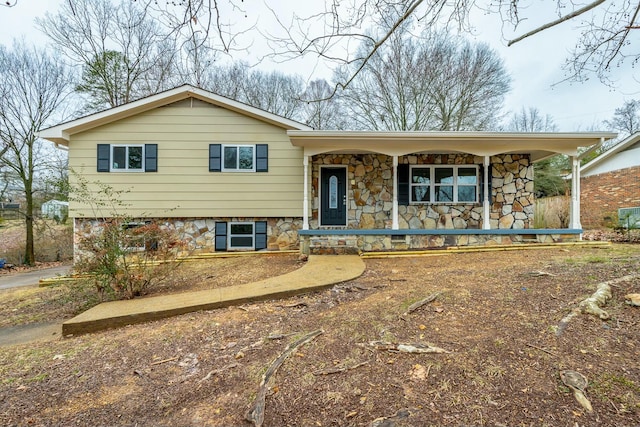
[557, 21]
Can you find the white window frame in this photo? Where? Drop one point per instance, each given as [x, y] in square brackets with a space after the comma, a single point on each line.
[131, 226]
[432, 184]
[237, 168]
[126, 168]
[253, 235]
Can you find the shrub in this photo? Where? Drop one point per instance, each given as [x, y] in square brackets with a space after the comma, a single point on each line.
[125, 258]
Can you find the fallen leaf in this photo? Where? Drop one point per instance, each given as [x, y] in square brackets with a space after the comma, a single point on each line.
[419, 372]
[422, 327]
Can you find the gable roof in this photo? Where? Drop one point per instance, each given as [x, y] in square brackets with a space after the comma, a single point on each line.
[618, 148]
[60, 134]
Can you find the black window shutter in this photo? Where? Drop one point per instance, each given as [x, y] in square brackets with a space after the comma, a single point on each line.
[403, 184]
[260, 235]
[151, 157]
[221, 236]
[104, 157]
[262, 158]
[215, 157]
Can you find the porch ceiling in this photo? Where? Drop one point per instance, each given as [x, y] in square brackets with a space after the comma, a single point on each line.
[538, 145]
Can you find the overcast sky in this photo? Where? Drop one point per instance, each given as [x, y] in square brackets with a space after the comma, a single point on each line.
[534, 65]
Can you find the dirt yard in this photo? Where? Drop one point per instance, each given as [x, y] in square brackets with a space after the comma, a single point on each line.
[497, 316]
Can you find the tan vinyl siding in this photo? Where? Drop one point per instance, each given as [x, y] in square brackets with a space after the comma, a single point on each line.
[183, 185]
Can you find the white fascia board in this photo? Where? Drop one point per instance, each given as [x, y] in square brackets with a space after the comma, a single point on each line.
[621, 146]
[61, 133]
[477, 143]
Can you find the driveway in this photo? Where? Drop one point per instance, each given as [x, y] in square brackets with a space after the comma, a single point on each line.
[30, 278]
[34, 332]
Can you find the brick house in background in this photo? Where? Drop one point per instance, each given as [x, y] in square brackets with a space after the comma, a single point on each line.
[609, 182]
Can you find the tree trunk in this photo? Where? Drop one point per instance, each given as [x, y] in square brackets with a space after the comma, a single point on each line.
[29, 253]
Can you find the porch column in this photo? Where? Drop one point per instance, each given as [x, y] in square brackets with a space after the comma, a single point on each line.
[574, 218]
[486, 202]
[305, 193]
[394, 213]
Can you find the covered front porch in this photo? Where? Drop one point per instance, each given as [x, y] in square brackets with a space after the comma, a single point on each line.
[368, 191]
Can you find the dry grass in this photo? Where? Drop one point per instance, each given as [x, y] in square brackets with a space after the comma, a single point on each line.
[33, 305]
[52, 241]
[490, 310]
[552, 212]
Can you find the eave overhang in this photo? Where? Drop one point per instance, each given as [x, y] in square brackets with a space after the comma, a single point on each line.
[539, 145]
[62, 133]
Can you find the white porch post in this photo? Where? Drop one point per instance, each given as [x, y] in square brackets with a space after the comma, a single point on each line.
[394, 215]
[305, 193]
[574, 220]
[486, 202]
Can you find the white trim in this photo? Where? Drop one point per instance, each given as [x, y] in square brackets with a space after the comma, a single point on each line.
[253, 235]
[346, 195]
[395, 225]
[131, 226]
[539, 145]
[62, 133]
[574, 220]
[486, 197]
[126, 168]
[433, 185]
[621, 146]
[237, 147]
[305, 193]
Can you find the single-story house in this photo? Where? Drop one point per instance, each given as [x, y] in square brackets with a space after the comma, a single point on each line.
[228, 176]
[609, 182]
[55, 209]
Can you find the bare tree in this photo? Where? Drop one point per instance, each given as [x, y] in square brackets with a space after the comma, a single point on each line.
[333, 29]
[123, 51]
[531, 120]
[273, 91]
[549, 172]
[320, 110]
[603, 42]
[35, 88]
[626, 119]
[434, 82]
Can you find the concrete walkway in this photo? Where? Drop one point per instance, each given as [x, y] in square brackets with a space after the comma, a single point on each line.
[30, 278]
[319, 272]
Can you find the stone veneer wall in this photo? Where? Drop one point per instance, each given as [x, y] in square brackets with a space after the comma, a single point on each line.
[369, 189]
[513, 191]
[603, 194]
[370, 193]
[199, 233]
[347, 244]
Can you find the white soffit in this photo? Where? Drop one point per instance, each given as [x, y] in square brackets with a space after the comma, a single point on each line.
[538, 145]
